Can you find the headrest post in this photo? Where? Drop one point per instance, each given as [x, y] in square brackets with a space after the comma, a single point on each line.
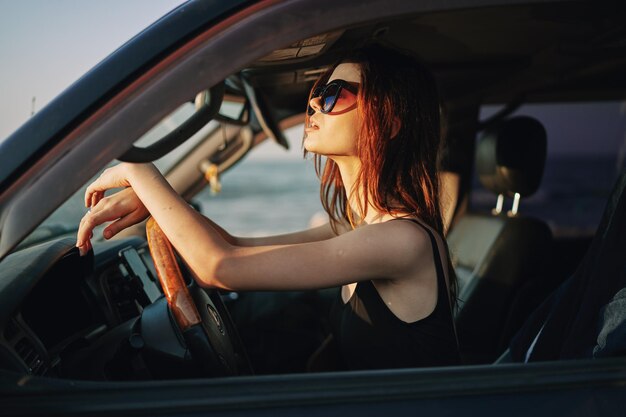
[515, 207]
[499, 205]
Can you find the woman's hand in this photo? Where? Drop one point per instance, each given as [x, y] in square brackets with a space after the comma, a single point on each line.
[123, 208]
[114, 177]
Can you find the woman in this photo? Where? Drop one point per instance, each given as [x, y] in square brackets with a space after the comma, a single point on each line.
[375, 117]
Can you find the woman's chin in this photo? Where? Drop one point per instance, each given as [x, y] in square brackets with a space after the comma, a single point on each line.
[310, 144]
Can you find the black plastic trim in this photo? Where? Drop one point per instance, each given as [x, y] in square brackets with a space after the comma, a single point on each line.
[585, 388]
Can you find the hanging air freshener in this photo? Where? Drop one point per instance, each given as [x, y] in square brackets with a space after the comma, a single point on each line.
[211, 175]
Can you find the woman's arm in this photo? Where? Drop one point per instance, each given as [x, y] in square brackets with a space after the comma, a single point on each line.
[124, 209]
[381, 251]
[313, 234]
[378, 251]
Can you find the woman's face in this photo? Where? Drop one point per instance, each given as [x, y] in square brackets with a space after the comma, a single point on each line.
[334, 135]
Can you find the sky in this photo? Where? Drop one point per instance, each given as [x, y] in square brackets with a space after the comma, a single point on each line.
[46, 45]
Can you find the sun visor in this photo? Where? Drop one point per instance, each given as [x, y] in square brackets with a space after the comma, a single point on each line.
[305, 48]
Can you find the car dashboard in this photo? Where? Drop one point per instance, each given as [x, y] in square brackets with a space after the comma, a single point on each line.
[55, 304]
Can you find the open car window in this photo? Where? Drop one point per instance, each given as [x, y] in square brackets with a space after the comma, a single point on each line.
[271, 191]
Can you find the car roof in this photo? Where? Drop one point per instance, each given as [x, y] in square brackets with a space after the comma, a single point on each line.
[532, 52]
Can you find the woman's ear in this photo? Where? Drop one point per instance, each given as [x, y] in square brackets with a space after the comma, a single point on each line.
[395, 127]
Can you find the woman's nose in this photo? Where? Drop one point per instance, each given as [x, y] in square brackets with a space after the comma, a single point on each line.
[315, 103]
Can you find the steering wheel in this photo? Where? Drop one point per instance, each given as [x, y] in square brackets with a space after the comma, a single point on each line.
[201, 316]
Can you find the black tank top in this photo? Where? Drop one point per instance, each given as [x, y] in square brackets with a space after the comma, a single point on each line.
[369, 336]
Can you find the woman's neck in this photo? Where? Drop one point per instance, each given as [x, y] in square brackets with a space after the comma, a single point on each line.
[349, 168]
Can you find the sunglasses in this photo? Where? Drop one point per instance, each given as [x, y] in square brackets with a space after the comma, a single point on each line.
[338, 95]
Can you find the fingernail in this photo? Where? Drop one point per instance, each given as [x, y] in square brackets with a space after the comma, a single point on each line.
[82, 251]
[107, 234]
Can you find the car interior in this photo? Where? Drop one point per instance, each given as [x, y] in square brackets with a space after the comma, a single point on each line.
[495, 254]
[527, 291]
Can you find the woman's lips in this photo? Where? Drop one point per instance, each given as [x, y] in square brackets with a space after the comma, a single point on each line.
[313, 126]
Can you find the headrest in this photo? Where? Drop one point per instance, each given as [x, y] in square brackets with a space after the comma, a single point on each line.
[510, 157]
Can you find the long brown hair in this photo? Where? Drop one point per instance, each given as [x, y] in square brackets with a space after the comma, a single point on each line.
[399, 174]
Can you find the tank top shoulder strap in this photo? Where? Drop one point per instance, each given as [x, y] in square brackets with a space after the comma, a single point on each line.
[433, 240]
[439, 267]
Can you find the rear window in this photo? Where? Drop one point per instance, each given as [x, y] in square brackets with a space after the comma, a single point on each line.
[586, 153]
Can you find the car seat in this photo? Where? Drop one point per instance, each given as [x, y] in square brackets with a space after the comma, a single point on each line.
[586, 316]
[494, 254]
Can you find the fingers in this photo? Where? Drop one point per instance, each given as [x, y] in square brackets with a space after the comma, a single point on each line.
[83, 245]
[95, 198]
[121, 224]
[114, 177]
[84, 249]
[104, 211]
[124, 208]
[93, 188]
[85, 231]
[94, 193]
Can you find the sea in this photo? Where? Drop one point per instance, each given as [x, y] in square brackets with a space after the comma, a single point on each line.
[265, 197]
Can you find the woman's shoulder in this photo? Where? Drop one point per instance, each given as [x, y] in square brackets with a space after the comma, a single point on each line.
[407, 230]
[401, 242]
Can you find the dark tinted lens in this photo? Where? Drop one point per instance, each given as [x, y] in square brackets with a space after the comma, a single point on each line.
[329, 97]
[316, 93]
